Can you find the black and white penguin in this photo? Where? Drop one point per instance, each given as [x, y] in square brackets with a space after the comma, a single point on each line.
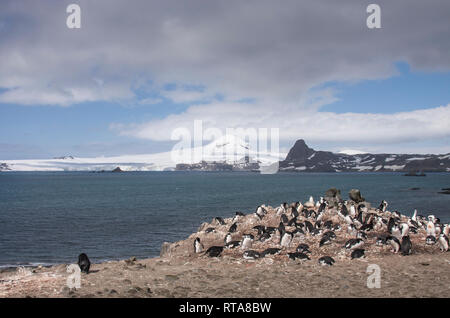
[404, 229]
[210, 230]
[330, 234]
[308, 226]
[361, 235]
[260, 228]
[232, 244]
[198, 246]
[271, 251]
[214, 251]
[239, 215]
[284, 219]
[265, 237]
[232, 228]
[282, 209]
[247, 241]
[292, 222]
[354, 243]
[325, 240]
[326, 260]
[251, 254]
[381, 240]
[383, 206]
[286, 238]
[260, 212]
[298, 255]
[430, 240]
[328, 225]
[303, 248]
[358, 253]
[395, 231]
[84, 263]
[443, 242]
[406, 245]
[219, 220]
[227, 238]
[394, 242]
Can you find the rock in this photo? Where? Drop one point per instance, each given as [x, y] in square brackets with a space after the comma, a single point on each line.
[165, 249]
[333, 196]
[355, 195]
[117, 170]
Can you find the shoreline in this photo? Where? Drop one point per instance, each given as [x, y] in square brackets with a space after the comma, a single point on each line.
[180, 272]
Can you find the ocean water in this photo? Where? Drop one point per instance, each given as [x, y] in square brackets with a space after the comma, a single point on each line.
[51, 217]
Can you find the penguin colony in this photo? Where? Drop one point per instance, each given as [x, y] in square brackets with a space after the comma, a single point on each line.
[321, 232]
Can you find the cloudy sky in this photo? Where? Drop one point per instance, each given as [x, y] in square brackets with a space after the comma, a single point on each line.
[137, 70]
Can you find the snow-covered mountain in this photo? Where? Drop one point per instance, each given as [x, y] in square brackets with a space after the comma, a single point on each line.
[228, 149]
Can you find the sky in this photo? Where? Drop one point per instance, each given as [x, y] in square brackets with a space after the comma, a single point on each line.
[136, 71]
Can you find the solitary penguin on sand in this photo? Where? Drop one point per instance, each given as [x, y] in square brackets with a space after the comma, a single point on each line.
[84, 263]
[298, 255]
[247, 241]
[251, 254]
[198, 246]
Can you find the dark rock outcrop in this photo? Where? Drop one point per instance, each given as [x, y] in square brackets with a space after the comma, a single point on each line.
[355, 195]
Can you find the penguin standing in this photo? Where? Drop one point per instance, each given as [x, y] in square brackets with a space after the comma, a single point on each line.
[286, 238]
[406, 245]
[443, 242]
[84, 263]
[394, 242]
[227, 238]
[198, 246]
[247, 241]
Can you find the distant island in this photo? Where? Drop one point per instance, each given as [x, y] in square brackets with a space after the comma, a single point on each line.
[230, 153]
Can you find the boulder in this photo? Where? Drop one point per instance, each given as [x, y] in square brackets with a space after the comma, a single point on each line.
[333, 196]
[355, 195]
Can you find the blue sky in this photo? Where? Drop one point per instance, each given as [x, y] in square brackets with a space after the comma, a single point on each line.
[135, 72]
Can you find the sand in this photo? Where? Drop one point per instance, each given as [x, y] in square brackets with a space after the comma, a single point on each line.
[179, 272]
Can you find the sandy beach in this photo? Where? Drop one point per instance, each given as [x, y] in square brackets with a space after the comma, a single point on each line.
[180, 272]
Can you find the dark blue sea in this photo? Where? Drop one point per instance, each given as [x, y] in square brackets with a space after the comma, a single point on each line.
[51, 217]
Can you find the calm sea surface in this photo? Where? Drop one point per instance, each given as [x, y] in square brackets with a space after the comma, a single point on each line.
[51, 217]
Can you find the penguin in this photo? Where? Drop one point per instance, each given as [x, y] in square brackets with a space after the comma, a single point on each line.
[354, 243]
[284, 219]
[430, 240]
[361, 235]
[404, 228]
[390, 224]
[227, 238]
[232, 228]
[247, 241]
[292, 221]
[286, 238]
[271, 251]
[352, 210]
[251, 254]
[265, 237]
[238, 216]
[414, 216]
[219, 220]
[446, 230]
[395, 231]
[394, 242]
[381, 240]
[443, 242]
[298, 255]
[330, 234]
[280, 229]
[326, 260]
[210, 229]
[325, 240]
[198, 246]
[328, 225]
[214, 251]
[232, 244]
[406, 245]
[383, 206]
[260, 212]
[260, 228]
[282, 209]
[303, 248]
[309, 227]
[294, 210]
[358, 253]
[431, 228]
[351, 229]
[84, 263]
